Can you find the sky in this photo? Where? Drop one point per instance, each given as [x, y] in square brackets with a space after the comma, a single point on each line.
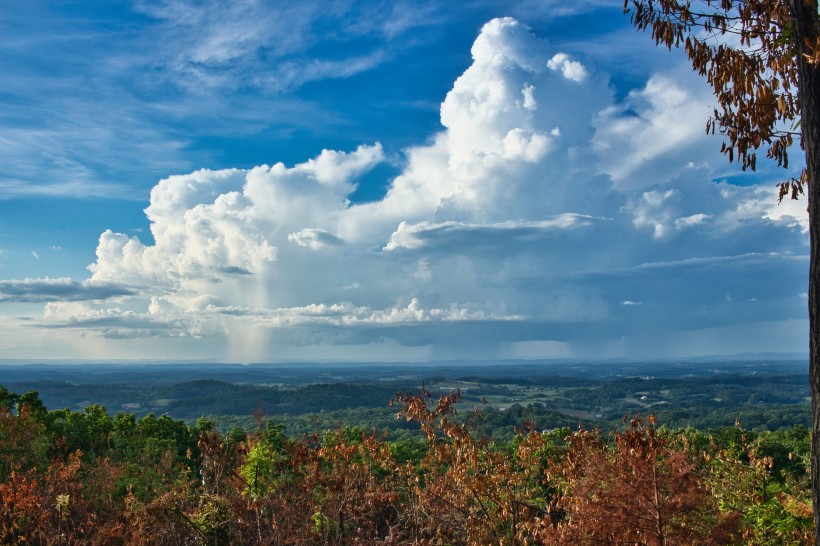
[260, 181]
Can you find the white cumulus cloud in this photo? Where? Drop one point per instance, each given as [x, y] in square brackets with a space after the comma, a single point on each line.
[520, 226]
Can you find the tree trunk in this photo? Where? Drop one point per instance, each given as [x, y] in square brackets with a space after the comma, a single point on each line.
[806, 23]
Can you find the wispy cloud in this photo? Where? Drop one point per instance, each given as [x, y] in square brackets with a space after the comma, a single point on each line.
[144, 92]
[45, 290]
[218, 44]
[423, 234]
[347, 314]
[78, 147]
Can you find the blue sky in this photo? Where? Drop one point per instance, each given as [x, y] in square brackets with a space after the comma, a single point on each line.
[264, 181]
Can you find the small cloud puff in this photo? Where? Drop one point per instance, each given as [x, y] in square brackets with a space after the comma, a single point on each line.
[314, 238]
[571, 70]
[690, 221]
[653, 209]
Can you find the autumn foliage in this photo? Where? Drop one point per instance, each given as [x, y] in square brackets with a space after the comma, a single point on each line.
[154, 481]
[748, 51]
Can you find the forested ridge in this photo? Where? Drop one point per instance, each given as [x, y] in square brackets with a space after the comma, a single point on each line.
[91, 477]
[760, 394]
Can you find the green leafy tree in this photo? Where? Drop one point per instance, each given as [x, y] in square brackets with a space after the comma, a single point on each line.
[762, 480]
[263, 469]
[30, 402]
[88, 431]
[8, 400]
